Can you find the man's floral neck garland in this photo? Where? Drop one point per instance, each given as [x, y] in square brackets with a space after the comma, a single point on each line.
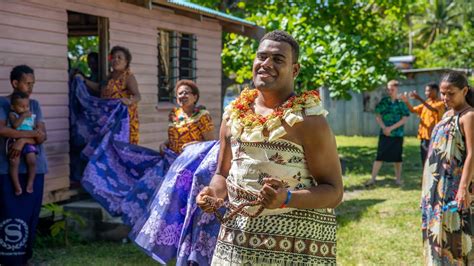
[249, 126]
[178, 117]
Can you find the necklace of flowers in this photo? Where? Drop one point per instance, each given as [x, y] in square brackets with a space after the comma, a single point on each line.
[179, 118]
[249, 126]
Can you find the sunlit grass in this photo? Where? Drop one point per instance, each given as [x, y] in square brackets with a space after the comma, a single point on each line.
[379, 225]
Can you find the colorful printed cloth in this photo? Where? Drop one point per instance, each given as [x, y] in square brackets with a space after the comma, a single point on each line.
[391, 112]
[183, 129]
[283, 236]
[127, 180]
[115, 171]
[116, 89]
[428, 118]
[446, 233]
[282, 240]
[173, 223]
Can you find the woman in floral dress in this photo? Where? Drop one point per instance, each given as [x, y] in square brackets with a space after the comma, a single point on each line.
[448, 172]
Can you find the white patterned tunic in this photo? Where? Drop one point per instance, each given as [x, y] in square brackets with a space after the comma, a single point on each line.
[280, 236]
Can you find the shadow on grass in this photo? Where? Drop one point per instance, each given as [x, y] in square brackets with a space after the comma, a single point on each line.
[352, 210]
[359, 160]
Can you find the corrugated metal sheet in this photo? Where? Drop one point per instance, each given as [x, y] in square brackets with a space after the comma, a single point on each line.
[210, 12]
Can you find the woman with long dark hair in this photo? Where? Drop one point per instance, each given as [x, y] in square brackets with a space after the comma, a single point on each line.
[448, 172]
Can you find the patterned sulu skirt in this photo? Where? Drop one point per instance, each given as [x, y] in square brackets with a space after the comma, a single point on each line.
[300, 237]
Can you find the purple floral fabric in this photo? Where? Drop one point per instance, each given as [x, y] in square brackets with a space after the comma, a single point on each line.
[122, 177]
[134, 182]
[173, 223]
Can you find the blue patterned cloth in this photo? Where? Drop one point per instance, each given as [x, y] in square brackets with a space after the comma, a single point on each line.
[174, 224]
[134, 182]
[117, 174]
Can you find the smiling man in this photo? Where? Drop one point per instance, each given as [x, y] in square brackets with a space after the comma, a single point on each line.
[278, 168]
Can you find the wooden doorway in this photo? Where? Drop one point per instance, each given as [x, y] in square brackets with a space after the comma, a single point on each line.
[88, 45]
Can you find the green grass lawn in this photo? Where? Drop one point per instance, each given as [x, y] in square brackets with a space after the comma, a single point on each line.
[380, 225]
[377, 226]
[95, 253]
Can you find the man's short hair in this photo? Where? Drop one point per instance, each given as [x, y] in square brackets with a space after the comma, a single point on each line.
[393, 82]
[18, 71]
[283, 36]
[433, 86]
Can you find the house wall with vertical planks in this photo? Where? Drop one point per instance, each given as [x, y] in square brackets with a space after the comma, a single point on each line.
[34, 32]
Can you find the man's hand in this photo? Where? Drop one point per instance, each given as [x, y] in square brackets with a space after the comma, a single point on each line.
[40, 136]
[208, 201]
[16, 148]
[404, 97]
[273, 193]
[414, 95]
[387, 131]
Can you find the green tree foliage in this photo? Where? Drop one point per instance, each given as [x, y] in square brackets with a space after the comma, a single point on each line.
[78, 48]
[451, 45]
[455, 50]
[344, 46]
[440, 17]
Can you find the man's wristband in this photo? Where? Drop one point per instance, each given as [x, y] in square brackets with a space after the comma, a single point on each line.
[288, 198]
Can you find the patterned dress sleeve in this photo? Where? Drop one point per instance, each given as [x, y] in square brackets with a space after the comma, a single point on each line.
[205, 123]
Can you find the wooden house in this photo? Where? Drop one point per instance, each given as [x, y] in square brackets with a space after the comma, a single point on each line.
[169, 40]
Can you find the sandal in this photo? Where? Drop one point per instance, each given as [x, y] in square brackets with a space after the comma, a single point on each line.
[369, 183]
